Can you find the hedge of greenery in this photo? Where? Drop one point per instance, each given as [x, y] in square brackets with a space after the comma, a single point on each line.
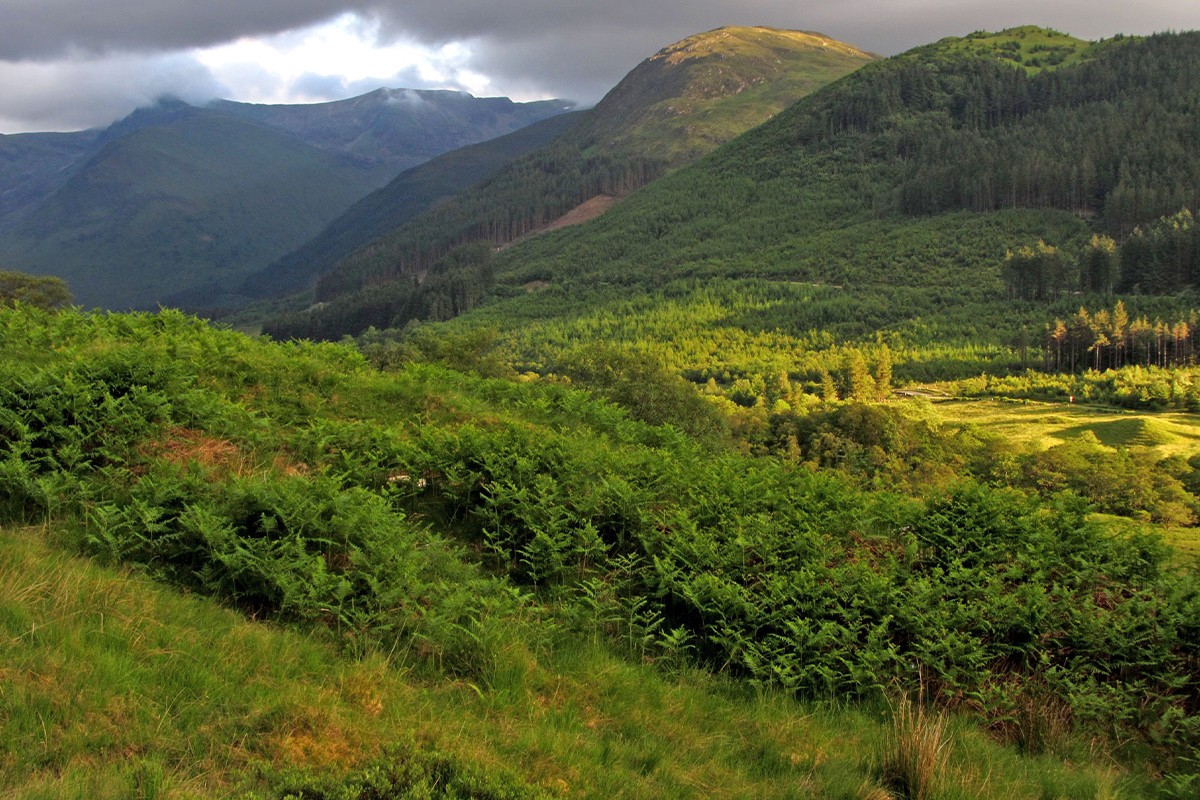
[441, 516]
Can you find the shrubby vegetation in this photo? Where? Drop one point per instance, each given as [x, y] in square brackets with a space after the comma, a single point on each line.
[296, 482]
[894, 447]
[43, 291]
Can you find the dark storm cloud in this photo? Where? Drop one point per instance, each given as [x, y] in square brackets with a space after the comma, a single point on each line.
[581, 49]
[575, 49]
[42, 29]
[46, 29]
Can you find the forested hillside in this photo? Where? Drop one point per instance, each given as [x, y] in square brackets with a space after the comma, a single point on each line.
[675, 106]
[813, 226]
[1107, 139]
[409, 194]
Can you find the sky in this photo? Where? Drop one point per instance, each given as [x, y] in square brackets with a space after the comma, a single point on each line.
[74, 64]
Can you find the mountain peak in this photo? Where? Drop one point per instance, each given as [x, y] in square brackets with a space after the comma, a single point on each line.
[668, 103]
[1028, 46]
[734, 39]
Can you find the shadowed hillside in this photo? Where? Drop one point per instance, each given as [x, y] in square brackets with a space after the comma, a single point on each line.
[177, 204]
[411, 193]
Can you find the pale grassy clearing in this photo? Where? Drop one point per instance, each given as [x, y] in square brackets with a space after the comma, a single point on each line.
[1042, 425]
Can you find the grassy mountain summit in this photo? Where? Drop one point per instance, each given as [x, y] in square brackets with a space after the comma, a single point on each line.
[1029, 46]
[674, 107]
[706, 89]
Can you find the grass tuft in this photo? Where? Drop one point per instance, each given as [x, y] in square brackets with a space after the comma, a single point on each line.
[916, 751]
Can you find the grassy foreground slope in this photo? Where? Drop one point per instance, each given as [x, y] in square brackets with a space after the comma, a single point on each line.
[507, 544]
[110, 690]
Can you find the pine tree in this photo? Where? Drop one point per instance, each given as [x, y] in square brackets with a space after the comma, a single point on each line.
[1119, 333]
[883, 374]
[829, 392]
[1099, 265]
[861, 384]
[1058, 335]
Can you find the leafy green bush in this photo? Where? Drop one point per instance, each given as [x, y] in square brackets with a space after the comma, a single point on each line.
[42, 291]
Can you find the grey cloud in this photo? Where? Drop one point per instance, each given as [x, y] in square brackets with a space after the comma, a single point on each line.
[49, 29]
[45, 29]
[325, 87]
[579, 50]
[82, 94]
[336, 87]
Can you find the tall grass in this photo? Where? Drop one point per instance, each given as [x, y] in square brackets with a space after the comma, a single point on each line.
[917, 750]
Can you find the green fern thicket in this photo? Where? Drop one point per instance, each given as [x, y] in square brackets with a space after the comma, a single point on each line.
[469, 529]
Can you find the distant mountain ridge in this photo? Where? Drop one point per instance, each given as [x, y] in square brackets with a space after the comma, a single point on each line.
[178, 203]
[399, 128]
[33, 166]
[182, 204]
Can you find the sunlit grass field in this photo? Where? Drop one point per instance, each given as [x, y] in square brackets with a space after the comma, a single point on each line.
[1042, 424]
[1035, 424]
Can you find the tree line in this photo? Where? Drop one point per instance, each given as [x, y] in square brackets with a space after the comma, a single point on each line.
[1110, 339]
[1162, 257]
[457, 283]
[1110, 138]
